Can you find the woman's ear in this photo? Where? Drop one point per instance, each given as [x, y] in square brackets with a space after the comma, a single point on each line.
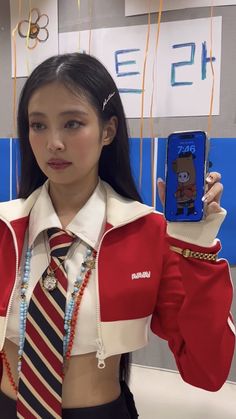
[109, 130]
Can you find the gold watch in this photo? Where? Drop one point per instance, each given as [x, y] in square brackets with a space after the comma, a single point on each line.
[187, 253]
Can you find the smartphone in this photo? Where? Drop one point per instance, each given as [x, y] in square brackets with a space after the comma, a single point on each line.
[186, 165]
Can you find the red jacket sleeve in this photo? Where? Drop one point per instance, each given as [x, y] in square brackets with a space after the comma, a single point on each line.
[192, 312]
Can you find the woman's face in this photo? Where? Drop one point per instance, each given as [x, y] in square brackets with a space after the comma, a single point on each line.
[65, 135]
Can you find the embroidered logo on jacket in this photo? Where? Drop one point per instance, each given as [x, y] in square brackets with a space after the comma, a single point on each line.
[141, 275]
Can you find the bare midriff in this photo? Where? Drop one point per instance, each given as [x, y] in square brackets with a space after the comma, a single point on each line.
[84, 383]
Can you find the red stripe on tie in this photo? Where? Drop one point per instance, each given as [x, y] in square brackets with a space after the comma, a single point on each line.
[22, 409]
[59, 274]
[62, 239]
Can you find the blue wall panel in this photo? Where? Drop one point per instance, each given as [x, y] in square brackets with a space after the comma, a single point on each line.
[146, 184]
[9, 168]
[222, 156]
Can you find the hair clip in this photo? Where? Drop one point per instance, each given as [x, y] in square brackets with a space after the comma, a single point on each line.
[107, 100]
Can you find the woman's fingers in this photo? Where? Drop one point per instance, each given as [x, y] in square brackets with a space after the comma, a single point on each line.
[214, 188]
[161, 190]
[212, 208]
[213, 177]
[213, 194]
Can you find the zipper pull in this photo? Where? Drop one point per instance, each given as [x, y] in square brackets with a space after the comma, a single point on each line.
[100, 355]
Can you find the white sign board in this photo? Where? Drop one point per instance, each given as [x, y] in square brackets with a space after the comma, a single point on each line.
[140, 7]
[35, 34]
[183, 73]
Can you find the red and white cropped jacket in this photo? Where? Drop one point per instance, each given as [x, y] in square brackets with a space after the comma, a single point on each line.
[141, 283]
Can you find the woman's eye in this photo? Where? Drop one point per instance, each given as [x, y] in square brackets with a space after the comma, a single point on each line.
[73, 124]
[37, 126]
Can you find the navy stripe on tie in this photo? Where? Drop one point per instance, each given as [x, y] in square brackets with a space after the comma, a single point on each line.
[60, 252]
[53, 230]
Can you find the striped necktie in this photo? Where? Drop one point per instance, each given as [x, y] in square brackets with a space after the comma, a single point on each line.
[40, 380]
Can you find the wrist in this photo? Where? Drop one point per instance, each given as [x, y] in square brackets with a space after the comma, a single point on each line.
[202, 233]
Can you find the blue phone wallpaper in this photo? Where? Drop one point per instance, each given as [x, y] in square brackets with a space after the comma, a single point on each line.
[185, 176]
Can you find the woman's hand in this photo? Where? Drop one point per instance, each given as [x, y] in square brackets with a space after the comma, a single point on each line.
[212, 196]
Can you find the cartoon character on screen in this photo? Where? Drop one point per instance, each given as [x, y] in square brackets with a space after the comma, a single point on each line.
[185, 194]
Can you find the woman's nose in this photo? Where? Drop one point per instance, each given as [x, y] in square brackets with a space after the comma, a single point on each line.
[55, 142]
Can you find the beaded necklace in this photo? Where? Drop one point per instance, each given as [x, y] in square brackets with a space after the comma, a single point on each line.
[71, 313]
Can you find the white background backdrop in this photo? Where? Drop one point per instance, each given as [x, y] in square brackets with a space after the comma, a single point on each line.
[181, 100]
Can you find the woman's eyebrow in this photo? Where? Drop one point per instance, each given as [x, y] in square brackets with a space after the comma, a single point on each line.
[68, 112]
[74, 112]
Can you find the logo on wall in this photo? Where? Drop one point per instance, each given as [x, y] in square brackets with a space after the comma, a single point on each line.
[35, 28]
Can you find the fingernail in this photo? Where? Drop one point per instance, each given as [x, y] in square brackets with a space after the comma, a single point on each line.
[204, 198]
[209, 179]
[159, 179]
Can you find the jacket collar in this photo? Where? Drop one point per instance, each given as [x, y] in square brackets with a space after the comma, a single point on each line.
[120, 210]
[18, 208]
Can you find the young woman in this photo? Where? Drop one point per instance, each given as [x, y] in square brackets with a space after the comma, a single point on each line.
[85, 265]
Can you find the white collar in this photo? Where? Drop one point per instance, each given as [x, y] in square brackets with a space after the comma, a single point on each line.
[88, 224]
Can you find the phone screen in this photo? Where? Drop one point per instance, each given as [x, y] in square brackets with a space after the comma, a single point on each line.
[185, 176]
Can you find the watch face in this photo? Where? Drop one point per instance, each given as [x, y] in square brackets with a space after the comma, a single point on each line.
[50, 282]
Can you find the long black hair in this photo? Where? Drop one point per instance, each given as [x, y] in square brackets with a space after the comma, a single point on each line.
[85, 75]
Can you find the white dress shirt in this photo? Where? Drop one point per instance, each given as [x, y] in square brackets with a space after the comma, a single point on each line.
[88, 225]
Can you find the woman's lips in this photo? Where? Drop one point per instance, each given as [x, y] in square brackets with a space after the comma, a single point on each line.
[58, 164]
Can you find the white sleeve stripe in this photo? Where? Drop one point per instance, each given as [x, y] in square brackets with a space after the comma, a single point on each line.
[231, 325]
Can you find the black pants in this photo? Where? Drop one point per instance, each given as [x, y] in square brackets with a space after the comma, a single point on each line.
[121, 408]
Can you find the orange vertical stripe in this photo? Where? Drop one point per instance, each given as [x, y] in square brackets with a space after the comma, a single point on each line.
[142, 99]
[209, 125]
[159, 14]
[15, 67]
[79, 20]
[91, 19]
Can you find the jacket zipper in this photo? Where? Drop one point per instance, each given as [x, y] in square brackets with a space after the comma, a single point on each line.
[100, 354]
[15, 282]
